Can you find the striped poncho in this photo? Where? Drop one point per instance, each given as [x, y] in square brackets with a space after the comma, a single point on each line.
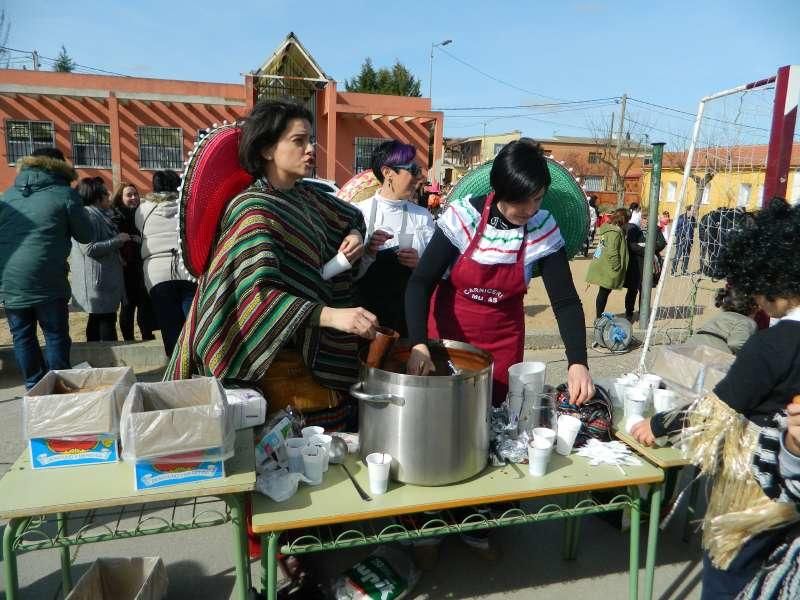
[264, 284]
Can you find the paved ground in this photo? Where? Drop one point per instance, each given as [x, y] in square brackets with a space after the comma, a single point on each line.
[200, 566]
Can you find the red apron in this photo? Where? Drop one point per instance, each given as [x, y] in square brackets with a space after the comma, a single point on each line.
[482, 305]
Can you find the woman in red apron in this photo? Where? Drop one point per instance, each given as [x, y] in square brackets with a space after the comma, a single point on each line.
[491, 246]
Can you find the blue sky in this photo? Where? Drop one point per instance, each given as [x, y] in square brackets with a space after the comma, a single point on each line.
[669, 53]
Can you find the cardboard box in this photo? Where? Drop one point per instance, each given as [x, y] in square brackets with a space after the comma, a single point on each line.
[176, 418]
[122, 579]
[183, 468]
[76, 402]
[73, 452]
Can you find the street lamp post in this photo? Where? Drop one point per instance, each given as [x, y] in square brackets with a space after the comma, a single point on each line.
[430, 78]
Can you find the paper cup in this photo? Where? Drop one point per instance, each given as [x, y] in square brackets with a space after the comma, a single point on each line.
[664, 400]
[294, 451]
[539, 451]
[378, 464]
[636, 401]
[545, 434]
[405, 241]
[311, 431]
[516, 371]
[568, 429]
[338, 264]
[313, 461]
[323, 441]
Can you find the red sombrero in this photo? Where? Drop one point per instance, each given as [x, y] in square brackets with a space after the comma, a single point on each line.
[213, 176]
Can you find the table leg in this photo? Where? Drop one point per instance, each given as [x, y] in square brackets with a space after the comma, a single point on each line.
[66, 563]
[633, 566]
[652, 541]
[571, 529]
[10, 558]
[236, 504]
[269, 565]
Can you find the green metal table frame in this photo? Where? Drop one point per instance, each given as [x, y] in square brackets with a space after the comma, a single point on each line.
[366, 533]
[28, 534]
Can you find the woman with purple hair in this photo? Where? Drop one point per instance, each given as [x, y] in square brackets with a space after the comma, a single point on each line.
[399, 229]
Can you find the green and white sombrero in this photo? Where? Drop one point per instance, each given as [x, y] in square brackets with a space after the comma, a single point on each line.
[565, 200]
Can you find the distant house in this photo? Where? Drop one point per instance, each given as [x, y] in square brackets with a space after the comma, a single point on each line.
[734, 175]
[461, 154]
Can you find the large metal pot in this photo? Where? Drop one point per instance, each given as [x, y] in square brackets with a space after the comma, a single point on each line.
[437, 427]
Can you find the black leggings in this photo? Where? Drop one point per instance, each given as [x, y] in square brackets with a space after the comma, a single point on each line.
[602, 300]
[101, 327]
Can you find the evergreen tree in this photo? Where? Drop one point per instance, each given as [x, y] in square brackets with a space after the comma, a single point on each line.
[64, 62]
[397, 81]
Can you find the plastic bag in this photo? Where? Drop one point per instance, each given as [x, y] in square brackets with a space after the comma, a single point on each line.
[173, 418]
[279, 484]
[76, 402]
[386, 574]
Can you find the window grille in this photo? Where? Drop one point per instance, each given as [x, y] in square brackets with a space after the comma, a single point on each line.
[91, 145]
[363, 155]
[23, 137]
[160, 148]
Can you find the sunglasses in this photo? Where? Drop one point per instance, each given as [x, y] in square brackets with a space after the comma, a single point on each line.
[412, 168]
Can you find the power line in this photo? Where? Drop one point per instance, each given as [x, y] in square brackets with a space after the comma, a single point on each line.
[544, 105]
[53, 60]
[677, 110]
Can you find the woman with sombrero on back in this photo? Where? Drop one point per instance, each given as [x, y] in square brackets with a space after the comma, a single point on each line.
[263, 313]
[487, 247]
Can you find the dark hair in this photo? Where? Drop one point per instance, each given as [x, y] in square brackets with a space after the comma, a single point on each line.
[761, 258]
[619, 217]
[116, 198]
[519, 171]
[731, 300]
[91, 190]
[50, 152]
[593, 201]
[390, 154]
[634, 206]
[263, 128]
[166, 181]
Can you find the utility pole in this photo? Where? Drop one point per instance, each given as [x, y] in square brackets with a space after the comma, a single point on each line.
[618, 184]
[35, 55]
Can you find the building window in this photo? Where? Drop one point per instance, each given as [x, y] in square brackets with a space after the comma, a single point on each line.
[672, 190]
[647, 161]
[594, 158]
[593, 183]
[363, 155]
[160, 148]
[760, 197]
[91, 145]
[706, 194]
[23, 137]
[497, 148]
[744, 195]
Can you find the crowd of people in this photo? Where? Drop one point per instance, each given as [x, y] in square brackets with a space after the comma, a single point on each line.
[109, 256]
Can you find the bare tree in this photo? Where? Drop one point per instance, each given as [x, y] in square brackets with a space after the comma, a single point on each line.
[620, 156]
[5, 30]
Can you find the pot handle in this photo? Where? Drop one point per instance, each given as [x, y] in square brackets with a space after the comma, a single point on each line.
[357, 393]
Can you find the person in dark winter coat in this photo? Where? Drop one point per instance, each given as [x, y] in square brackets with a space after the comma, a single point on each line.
[684, 237]
[39, 214]
[633, 278]
[137, 302]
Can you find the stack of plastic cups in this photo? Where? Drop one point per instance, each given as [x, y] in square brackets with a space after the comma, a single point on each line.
[520, 376]
[567, 431]
[378, 464]
[294, 452]
[323, 441]
[621, 385]
[311, 431]
[313, 462]
[636, 399]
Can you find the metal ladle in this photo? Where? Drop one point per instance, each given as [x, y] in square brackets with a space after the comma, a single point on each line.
[338, 453]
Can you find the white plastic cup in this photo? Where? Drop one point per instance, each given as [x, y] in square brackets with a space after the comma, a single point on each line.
[539, 451]
[651, 381]
[405, 241]
[514, 405]
[518, 370]
[294, 452]
[664, 400]
[313, 461]
[323, 441]
[567, 431]
[338, 264]
[311, 431]
[378, 464]
[636, 401]
[621, 384]
[545, 434]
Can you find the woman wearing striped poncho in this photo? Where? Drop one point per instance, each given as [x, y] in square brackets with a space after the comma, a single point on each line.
[262, 312]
